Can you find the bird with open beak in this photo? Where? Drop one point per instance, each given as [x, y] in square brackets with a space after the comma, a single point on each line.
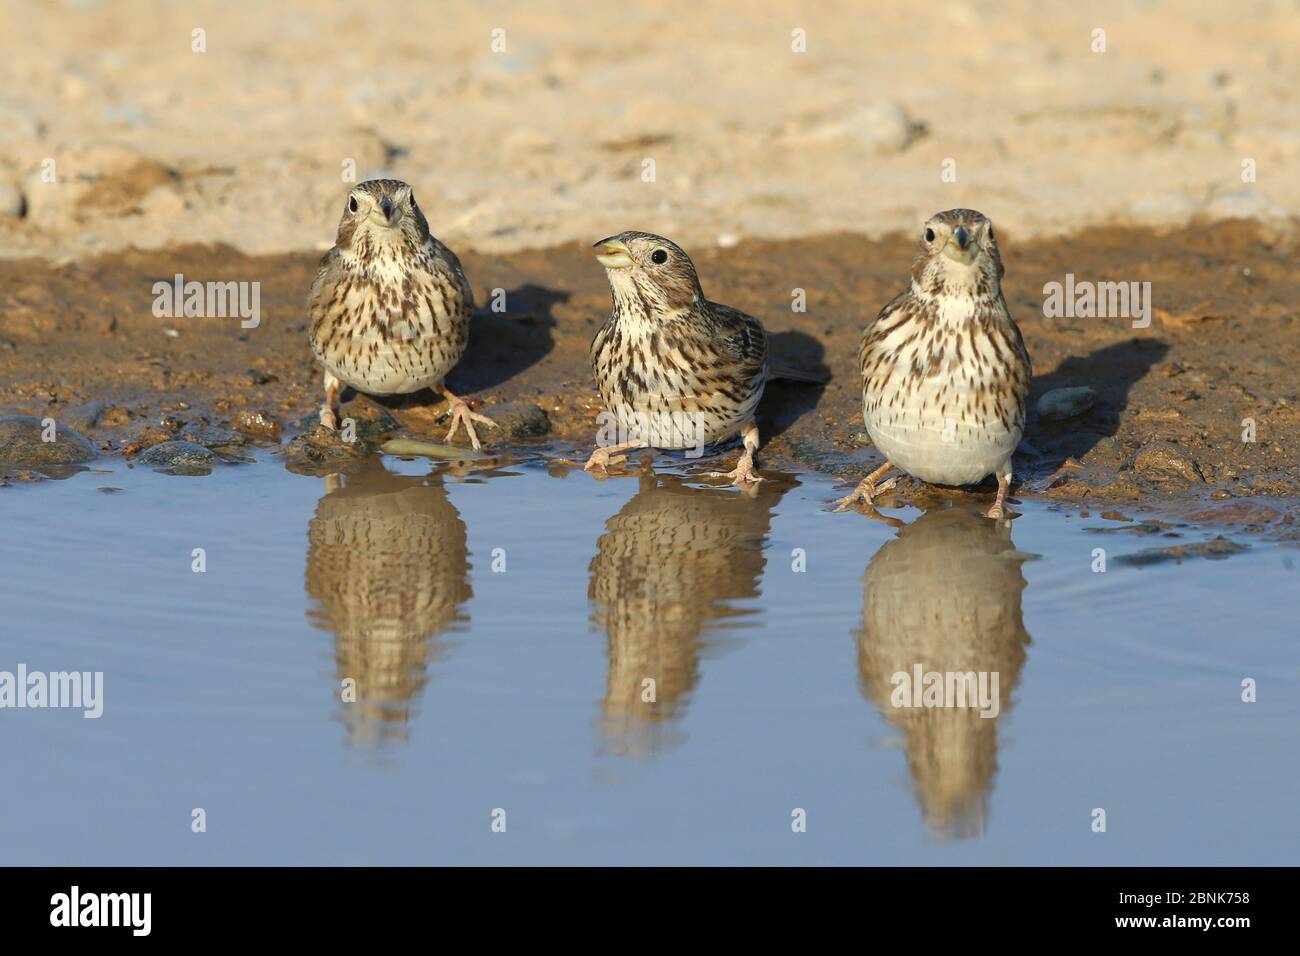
[390, 305]
[945, 372]
[674, 369]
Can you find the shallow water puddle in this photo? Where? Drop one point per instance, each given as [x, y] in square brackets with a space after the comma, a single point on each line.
[507, 627]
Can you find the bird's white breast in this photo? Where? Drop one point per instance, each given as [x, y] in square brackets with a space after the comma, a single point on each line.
[655, 394]
[406, 329]
[943, 428]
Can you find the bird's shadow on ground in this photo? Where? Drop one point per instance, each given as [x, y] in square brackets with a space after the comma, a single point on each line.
[502, 345]
[786, 400]
[1112, 371]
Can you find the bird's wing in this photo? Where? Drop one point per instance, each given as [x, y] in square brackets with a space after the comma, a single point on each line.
[326, 264]
[322, 312]
[447, 261]
[742, 339]
[1020, 344]
[889, 308]
[780, 371]
[881, 325]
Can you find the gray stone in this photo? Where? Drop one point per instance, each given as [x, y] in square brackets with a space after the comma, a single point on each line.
[21, 443]
[1164, 460]
[210, 436]
[515, 420]
[259, 424]
[1216, 550]
[883, 126]
[1062, 403]
[177, 454]
[83, 417]
[321, 451]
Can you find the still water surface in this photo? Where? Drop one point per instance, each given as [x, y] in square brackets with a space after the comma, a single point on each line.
[500, 626]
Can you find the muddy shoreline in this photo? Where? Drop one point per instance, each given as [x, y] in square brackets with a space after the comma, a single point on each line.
[79, 343]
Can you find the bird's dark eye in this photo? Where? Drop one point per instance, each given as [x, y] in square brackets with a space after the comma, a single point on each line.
[929, 235]
[659, 257]
[352, 204]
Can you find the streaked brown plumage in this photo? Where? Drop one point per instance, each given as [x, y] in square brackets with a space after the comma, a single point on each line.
[945, 594]
[388, 567]
[390, 305]
[676, 370]
[945, 372]
[664, 580]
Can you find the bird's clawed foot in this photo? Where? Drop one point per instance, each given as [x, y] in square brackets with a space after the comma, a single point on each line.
[601, 459]
[743, 474]
[461, 415]
[865, 492]
[1000, 511]
[329, 418]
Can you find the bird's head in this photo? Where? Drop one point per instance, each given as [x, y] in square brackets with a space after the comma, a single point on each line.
[957, 254]
[381, 212]
[646, 270]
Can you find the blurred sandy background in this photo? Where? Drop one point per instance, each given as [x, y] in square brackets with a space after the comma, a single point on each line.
[245, 143]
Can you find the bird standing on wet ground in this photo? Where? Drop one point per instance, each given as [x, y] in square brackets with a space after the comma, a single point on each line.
[674, 369]
[390, 305]
[945, 372]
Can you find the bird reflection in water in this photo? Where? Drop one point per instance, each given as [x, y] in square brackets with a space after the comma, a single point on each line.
[664, 582]
[945, 595]
[388, 567]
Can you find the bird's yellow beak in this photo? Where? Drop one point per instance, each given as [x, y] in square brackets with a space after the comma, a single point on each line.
[614, 254]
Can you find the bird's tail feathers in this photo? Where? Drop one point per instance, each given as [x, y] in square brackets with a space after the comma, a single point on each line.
[779, 371]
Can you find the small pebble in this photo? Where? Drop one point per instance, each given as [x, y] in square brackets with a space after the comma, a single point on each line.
[516, 420]
[22, 443]
[1166, 460]
[258, 424]
[210, 436]
[1062, 403]
[177, 454]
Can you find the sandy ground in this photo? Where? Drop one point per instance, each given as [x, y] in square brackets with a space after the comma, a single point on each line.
[247, 143]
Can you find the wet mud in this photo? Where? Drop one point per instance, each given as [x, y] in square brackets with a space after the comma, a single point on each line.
[1190, 412]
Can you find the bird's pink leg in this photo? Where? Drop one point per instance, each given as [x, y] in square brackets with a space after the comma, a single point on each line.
[744, 470]
[329, 411]
[461, 415]
[866, 489]
[999, 509]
